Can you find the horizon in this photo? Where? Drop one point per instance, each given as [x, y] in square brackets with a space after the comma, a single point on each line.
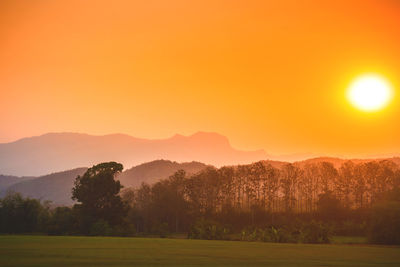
[295, 157]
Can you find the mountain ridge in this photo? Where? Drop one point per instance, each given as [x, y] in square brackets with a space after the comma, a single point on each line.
[54, 152]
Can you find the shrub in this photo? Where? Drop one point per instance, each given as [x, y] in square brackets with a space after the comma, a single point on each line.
[312, 232]
[315, 233]
[270, 234]
[204, 229]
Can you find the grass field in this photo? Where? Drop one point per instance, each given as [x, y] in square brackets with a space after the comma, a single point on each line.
[112, 251]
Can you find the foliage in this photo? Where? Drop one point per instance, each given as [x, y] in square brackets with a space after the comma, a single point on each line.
[255, 202]
[98, 193]
[349, 227]
[62, 221]
[315, 233]
[385, 223]
[22, 215]
[100, 228]
[205, 229]
[329, 207]
[311, 232]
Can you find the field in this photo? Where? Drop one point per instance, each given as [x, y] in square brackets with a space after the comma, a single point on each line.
[112, 251]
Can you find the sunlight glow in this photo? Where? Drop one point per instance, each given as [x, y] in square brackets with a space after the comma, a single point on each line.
[370, 93]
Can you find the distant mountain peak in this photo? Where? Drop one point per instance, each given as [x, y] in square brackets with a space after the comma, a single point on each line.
[177, 136]
[209, 136]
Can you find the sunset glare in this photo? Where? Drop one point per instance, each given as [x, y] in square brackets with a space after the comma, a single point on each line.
[370, 93]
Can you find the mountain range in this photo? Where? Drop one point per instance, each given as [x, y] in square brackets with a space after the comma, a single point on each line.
[55, 152]
[25, 164]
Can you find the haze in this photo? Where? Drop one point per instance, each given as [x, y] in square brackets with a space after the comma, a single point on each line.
[267, 74]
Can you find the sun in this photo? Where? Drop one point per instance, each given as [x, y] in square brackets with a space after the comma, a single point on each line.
[370, 93]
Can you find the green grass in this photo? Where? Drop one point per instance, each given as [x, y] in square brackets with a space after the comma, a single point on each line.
[113, 251]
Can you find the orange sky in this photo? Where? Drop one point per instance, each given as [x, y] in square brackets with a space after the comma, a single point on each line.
[267, 74]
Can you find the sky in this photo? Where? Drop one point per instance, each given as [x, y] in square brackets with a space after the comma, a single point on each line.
[267, 74]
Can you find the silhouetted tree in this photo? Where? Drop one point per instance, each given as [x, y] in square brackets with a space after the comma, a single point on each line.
[290, 175]
[344, 182]
[328, 174]
[98, 193]
[270, 185]
[308, 186]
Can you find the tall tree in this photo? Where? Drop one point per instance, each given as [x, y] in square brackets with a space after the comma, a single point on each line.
[343, 185]
[98, 193]
[328, 175]
[359, 184]
[308, 185]
[271, 184]
[290, 175]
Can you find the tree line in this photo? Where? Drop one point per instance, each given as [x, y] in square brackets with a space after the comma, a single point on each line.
[260, 186]
[292, 203]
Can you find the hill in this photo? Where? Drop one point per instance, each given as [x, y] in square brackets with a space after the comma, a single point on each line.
[56, 152]
[7, 180]
[153, 171]
[57, 187]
